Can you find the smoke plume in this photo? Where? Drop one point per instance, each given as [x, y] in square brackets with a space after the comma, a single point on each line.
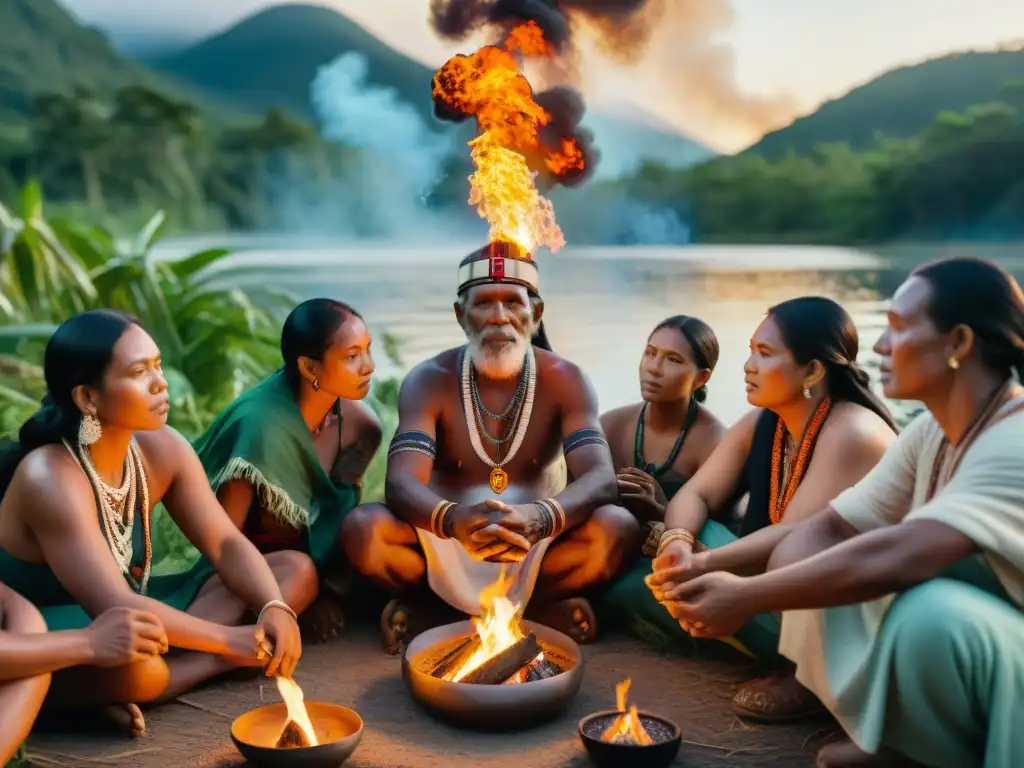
[672, 47]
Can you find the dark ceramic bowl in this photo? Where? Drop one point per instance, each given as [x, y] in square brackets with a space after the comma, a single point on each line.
[603, 754]
[338, 729]
[492, 707]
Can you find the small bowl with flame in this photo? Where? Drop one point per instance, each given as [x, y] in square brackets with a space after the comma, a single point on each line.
[628, 738]
[297, 733]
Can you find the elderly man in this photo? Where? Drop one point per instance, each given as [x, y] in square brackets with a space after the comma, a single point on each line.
[476, 476]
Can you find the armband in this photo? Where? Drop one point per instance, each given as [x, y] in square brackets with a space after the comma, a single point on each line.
[413, 441]
[582, 437]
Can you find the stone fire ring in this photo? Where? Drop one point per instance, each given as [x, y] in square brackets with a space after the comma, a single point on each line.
[492, 707]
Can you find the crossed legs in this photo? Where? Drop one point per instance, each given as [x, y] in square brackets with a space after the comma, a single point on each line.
[386, 550]
[164, 678]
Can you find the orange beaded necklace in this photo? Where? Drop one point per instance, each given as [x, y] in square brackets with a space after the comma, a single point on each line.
[777, 505]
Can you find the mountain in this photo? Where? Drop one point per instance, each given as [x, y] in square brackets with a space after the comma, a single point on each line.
[899, 103]
[44, 49]
[271, 58]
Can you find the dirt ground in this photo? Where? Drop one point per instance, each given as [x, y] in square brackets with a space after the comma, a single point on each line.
[354, 671]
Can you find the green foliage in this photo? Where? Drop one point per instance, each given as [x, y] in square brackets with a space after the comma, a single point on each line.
[898, 104]
[956, 178]
[216, 339]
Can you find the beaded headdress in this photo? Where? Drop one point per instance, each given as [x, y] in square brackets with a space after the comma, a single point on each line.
[499, 262]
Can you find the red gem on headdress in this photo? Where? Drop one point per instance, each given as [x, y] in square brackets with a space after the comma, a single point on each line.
[497, 267]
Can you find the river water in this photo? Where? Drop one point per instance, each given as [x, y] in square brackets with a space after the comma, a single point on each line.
[601, 303]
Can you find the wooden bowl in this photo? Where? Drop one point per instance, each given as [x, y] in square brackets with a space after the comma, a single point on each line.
[338, 729]
[606, 754]
[492, 707]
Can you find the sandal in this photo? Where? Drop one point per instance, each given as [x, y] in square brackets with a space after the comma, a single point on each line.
[776, 699]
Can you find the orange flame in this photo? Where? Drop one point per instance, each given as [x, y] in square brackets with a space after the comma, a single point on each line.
[498, 627]
[627, 727]
[489, 86]
[293, 700]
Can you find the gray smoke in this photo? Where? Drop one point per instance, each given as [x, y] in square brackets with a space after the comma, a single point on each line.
[401, 161]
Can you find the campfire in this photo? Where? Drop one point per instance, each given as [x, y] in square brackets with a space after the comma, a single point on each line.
[498, 652]
[298, 730]
[626, 728]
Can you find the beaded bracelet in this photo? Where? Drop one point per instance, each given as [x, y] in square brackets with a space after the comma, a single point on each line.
[437, 518]
[277, 604]
[674, 534]
[547, 520]
[559, 513]
[653, 540]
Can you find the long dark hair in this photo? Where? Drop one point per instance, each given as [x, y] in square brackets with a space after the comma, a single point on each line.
[308, 331]
[701, 340]
[984, 296]
[78, 353]
[816, 328]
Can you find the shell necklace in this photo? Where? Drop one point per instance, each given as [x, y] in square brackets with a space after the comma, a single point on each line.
[499, 477]
[117, 507]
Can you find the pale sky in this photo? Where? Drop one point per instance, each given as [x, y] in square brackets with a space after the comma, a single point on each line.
[801, 51]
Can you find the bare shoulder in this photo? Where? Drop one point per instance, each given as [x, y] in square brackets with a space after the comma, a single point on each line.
[742, 432]
[49, 470]
[853, 428]
[708, 431]
[362, 417]
[425, 377]
[613, 422]
[164, 448]
[566, 378]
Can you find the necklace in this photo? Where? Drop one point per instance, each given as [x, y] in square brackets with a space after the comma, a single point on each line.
[516, 402]
[117, 509]
[499, 477]
[778, 499]
[948, 457]
[638, 445]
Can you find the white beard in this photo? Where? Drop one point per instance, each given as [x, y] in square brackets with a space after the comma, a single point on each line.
[505, 363]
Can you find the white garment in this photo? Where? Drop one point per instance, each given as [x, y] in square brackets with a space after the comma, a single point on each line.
[458, 579]
[837, 650]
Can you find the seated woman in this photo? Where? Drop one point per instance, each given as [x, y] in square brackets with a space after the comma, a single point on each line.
[661, 442]
[817, 429]
[903, 599]
[77, 492]
[287, 457]
[29, 655]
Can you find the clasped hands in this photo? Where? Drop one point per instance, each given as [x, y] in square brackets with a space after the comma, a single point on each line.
[495, 532]
[706, 603]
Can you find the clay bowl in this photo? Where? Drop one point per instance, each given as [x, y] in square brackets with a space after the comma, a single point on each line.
[666, 734]
[492, 707]
[338, 729]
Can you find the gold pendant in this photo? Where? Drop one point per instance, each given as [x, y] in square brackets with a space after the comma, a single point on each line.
[499, 479]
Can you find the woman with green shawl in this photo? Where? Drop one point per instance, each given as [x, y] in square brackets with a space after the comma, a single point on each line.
[903, 600]
[286, 458]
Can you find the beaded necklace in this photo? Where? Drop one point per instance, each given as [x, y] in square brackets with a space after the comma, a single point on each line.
[499, 477]
[777, 504]
[638, 444]
[118, 508]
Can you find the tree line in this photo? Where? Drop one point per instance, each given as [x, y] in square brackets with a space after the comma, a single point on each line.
[959, 178]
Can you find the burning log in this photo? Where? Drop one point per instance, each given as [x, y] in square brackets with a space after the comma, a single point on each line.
[538, 669]
[455, 657]
[504, 665]
[292, 737]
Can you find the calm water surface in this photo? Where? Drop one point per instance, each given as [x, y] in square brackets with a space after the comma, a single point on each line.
[601, 303]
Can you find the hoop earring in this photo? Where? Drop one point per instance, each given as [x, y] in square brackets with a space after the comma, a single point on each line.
[807, 393]
[89, 430]
[953, 363]
[316, 385]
